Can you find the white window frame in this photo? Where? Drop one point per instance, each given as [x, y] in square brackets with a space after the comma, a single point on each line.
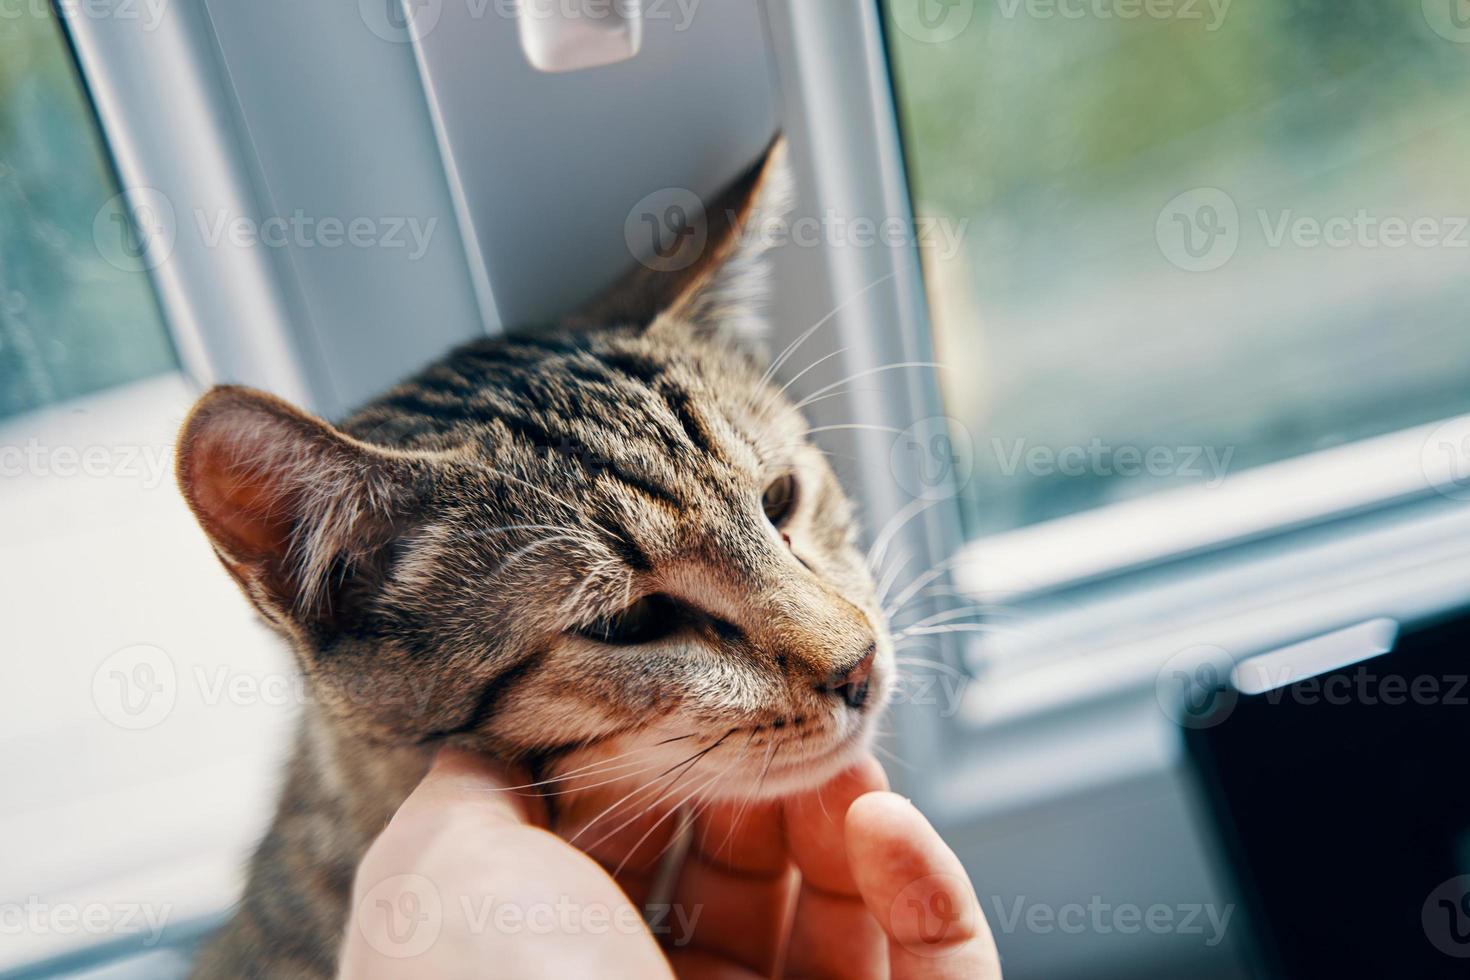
[1396, 544]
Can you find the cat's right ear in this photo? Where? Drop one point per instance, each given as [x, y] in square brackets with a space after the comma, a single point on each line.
[295, 509]
[706, 271]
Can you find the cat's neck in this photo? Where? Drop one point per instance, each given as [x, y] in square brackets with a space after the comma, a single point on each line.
[340, 793]
[363, 782]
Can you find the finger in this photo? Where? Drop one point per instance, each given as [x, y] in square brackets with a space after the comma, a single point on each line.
[735, 887]
[696, 964]
[469, 781]
[477, 883]
[833, 933]
[918, 891]
[629, 846]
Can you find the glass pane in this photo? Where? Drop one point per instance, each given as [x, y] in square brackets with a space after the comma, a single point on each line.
[120, 620]
[1196, 236]
[77, 313]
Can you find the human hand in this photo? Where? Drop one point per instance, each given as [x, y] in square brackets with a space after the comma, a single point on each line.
[845, 881]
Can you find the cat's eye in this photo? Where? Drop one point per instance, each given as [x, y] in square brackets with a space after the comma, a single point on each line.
[779, 499]
[650, 618]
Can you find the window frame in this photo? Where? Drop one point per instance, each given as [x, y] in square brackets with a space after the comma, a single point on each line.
[835, 71]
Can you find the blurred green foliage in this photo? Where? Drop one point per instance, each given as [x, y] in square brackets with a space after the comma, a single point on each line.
[70, 322]
[1057, 141]
[1014, 101]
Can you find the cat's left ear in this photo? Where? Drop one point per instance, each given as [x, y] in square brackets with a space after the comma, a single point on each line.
[713, 279]
[299, 513]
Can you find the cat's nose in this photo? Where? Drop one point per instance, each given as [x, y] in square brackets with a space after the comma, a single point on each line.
[851, 683]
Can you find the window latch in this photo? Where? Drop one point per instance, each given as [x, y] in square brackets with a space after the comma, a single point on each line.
[569, 35]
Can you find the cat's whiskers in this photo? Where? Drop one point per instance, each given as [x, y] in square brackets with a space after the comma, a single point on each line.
[889, 429]
[749, 793]
[679, 771]
[884, 538]
[481, 532]
[948, 616]
[921, 662]
[620, 777]
[599, 765]
[666, 793]
[813, 365]
[891, 576]
[701, 788]
[515, 556]
[867, 373]
[894, 758]
[765, 771]
[923, 579]
[948, 628]
[582, 512]
[843, 394]
[598, 574]
[806, 334]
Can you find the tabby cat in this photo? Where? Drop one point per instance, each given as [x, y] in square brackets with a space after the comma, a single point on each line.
[609, 540]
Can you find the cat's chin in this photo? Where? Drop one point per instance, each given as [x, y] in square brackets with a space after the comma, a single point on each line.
[800, 775]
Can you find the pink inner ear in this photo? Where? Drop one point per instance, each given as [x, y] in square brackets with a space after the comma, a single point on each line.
[283, 496]
[235, 468]
[237, 504]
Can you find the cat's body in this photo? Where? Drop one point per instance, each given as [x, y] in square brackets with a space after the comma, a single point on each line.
[605, 541]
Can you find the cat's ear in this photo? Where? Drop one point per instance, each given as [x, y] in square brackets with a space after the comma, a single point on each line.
[712, 278]
[296, 510]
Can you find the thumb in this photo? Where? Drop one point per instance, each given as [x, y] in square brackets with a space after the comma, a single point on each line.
[917, 889]
[464, 781]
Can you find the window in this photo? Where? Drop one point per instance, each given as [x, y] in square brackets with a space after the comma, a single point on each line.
[77, 314]
[1188, 239]
[116, 608]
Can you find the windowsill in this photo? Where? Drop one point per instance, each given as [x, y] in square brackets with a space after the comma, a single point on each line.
[1119, 538]
[1071, 693]
[136, 816]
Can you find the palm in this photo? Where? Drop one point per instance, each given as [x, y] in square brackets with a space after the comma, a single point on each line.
[768, 890]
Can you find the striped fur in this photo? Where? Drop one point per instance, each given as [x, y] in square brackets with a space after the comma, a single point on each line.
[436, 560]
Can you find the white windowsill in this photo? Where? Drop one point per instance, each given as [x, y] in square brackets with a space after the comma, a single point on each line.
[1110, 539]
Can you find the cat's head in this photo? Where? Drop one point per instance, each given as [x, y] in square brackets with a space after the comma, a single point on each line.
[608, 548]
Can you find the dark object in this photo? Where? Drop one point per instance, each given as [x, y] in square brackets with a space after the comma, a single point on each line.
[1342, 805]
